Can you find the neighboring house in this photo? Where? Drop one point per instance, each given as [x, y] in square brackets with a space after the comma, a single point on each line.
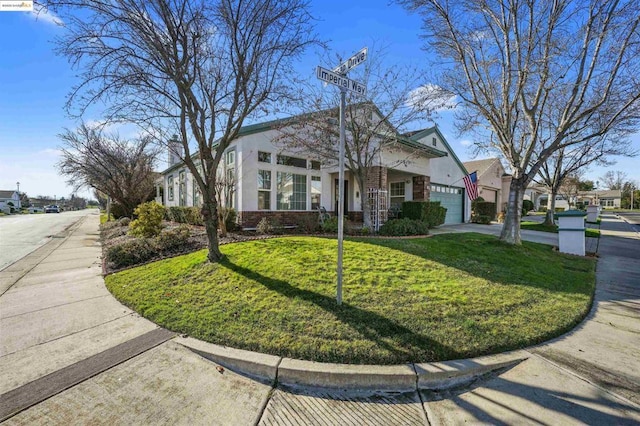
[608, 199]
[493, 181]
[534, 193]
[9, 196]
[285, 185]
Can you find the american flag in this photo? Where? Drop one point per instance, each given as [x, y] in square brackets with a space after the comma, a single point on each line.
[471, 183]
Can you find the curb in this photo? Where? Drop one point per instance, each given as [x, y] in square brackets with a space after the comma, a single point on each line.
[396, 378]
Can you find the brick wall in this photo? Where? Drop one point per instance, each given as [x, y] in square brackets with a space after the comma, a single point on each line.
[421, 188]
[377, 177]
[285, 218]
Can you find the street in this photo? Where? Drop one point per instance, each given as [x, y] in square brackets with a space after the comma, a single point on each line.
[22, 234]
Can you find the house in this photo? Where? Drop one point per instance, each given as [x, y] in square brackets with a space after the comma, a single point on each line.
[608, 199]
[286, 185]
[9, 199]
[493, 181]
[535, 193]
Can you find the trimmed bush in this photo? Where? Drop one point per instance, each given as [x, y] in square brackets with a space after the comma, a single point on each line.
[330, 225]
[230, 221]
[307, 224]
[404, 227]
[149, 221]
[427, 211]
[130, 253]
[484, 208]
[481, 219]
[171, 240]
[527, 205]
[176, 214]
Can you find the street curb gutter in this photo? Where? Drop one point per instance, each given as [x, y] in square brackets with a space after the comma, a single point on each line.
[395, 378]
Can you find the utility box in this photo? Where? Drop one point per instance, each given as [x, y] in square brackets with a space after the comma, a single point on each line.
[593, 212]
[571, 232]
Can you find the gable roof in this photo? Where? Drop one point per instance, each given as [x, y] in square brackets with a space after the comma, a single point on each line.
[274, 124]
[7, 193]
[481, 166]
[420, 134]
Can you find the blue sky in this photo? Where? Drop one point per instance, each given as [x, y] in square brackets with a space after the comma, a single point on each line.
[34, 83]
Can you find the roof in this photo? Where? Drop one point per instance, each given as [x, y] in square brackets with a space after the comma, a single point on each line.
[609, 193]
[275, 124]
[420, 134]
[7, 193]
[481, 166]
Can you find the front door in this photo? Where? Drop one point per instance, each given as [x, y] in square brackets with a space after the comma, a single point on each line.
[346, 197]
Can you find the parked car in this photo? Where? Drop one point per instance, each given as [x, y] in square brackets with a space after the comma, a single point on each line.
[52, 209]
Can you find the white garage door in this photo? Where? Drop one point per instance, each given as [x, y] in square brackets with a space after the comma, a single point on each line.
[450, 198]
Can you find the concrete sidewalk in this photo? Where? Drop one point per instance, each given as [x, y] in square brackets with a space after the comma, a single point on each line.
[71, 354]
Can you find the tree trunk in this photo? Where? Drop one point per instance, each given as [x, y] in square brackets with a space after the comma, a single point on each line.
[210, 217]
[366, 208]
[511, 228]
[222, 220]
[551, 208]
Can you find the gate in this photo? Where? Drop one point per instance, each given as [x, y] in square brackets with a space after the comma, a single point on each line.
[378, 207]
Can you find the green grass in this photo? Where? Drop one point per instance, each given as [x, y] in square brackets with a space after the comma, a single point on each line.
[451, 296]
[103, 218]
[536, 226]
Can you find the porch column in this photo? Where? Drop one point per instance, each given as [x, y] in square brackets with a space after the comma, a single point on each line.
[421, 188]
[377, 178]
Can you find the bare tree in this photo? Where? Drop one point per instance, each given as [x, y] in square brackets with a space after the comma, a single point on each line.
[394, 99]
[512, 62]
[226, 184]
[122, 169]
[196, 68]
[613, 179]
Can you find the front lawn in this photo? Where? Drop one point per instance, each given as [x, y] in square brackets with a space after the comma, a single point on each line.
[537, 226]
[405, 300]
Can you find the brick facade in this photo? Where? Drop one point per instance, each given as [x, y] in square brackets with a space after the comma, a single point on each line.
[285, 218]
[377, 177]
[421, 188]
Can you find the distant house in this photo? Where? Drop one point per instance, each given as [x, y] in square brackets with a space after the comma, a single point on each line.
[493, 181]
[608, 199]
[9, 196]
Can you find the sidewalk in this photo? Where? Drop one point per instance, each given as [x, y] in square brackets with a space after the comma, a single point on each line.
[71, 354]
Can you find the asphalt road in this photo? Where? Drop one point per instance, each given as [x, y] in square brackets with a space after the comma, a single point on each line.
[22, 234]
[632, 218]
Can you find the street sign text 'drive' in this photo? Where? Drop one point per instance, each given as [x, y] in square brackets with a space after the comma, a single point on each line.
[340, 81]
[352, 62]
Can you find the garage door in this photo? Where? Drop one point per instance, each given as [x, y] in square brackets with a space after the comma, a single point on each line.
[450, 198]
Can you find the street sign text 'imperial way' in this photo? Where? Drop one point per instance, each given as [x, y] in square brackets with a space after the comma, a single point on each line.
[340, 81]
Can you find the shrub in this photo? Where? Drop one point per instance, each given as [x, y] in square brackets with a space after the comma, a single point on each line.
[176, 214]
[404, 227]
[172, 239]
[481, 218]
[307, 224]
[132, 252]
[542, 209]
[117, 211]
[149, 221]
[264, 227]
[231, 216]
[330, 225]
[193, 216]
[484, 208]
[124, 221]
[427, 211]
[559, 209]
[527, 205]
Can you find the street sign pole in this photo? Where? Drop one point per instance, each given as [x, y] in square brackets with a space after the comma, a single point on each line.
[338, 77]
[341, 194]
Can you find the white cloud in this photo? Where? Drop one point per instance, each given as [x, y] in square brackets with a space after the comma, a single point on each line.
[41, 13]
[432, 98]
[466, 142]
[50, 152]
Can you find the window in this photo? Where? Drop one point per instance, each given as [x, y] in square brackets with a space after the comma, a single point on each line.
[433, 141]
[316, 189]
[396, 194]
[285, 160]
[197, 195]
[231, 157]
[182, 186]
[170, 185]
[292, 191]
[315, 165]
[264, 157]
[264, 190]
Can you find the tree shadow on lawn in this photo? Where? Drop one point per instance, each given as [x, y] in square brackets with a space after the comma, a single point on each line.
[409, 346]
[484, 256]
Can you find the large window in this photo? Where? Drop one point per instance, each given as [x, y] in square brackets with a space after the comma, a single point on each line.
[396, 195]
[170, 187]
[316, 189]
[182, 188]
[264, 190]
[285, 160]
[292, 191]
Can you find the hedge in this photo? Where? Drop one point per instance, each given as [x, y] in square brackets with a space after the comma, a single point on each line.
[427, 211]
[485, 208]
